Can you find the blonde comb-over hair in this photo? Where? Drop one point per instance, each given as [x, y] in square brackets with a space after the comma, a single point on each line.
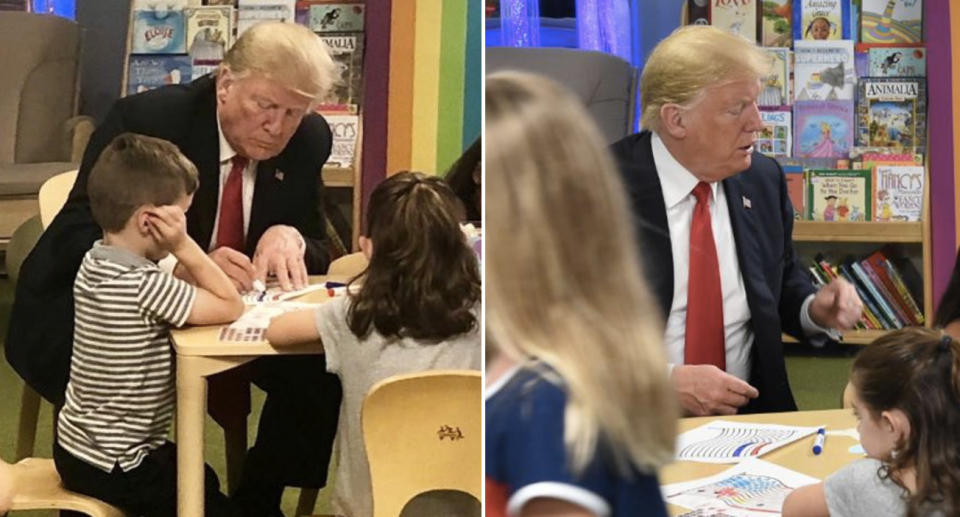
[564, 283]
[287, 53]
[691, 59]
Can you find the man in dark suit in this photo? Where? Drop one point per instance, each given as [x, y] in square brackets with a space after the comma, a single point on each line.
[715, 222]
[259, 151]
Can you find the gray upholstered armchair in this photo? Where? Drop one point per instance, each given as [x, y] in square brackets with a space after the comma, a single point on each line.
[606, 84]
[40, 134]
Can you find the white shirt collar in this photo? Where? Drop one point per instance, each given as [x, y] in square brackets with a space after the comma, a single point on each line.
[675, 180]
[226, 151]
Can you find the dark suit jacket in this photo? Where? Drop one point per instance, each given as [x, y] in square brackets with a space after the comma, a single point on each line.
[776, 286]
[40, 338]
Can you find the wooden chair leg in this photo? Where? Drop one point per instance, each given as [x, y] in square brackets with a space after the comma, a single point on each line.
[307, 501]
[235, 437]
[29, 413]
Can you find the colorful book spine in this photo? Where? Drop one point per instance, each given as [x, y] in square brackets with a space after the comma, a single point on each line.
[874, 311]
[888, 313]
[876, 261]
[902, 289]
[887, 296]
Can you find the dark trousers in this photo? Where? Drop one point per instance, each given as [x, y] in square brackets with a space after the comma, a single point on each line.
[296, 431]
[150, 489]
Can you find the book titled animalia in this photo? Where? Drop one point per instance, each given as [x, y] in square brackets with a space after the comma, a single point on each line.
[776, 23]
[210, 24]
[775, 137]
[146, 72]
[891, 21]
[892, 112]
[158, 31]
[737, 16]
[823, 129]
[897, 61]
[343, 17]
[821, 20]
[347, 53]
[838, 195]
[898, 192]
[823, 70]
[346, 130]
[774, 91]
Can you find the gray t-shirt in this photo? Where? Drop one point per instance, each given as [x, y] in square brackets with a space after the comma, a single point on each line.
[361, 363]
[857, 490]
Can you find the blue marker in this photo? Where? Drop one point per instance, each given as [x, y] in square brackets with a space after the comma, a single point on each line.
[818, 442]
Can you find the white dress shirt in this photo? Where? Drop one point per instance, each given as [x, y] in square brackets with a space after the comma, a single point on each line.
[249, 180]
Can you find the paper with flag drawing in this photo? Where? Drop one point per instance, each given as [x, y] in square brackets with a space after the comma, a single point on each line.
[752, 488]
[723, 441]
[252, 326]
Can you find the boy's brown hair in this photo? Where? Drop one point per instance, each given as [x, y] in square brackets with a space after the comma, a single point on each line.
[136, 170]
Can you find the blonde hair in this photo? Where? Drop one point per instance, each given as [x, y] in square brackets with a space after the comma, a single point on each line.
[287, 53]
[691, 59]
[564, 283]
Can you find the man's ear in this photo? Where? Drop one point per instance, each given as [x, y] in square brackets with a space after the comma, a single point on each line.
[672, 120]
[366, 246]
[224, 81]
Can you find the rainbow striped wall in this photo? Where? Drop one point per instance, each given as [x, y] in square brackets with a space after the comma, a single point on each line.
[943, 117]
[422, 91]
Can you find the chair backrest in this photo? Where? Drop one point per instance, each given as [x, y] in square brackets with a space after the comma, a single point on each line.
[35, 485]
[422, 432]
[606, 84]
[38, 86]
[348, 265]
[53, 195]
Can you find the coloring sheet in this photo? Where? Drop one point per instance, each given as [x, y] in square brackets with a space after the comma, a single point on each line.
[752, 488]
[275, 293]
[252, 326]
[723, 441]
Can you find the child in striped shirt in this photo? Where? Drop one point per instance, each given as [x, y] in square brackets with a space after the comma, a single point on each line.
[111, 433]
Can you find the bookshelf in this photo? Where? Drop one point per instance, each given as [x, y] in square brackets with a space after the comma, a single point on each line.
[337, 178]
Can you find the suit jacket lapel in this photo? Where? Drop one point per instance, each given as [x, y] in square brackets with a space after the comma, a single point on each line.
[203, 148]
[745, 230]
[264, 194]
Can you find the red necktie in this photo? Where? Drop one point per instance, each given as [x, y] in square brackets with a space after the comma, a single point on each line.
[230, 229]
[704, 333]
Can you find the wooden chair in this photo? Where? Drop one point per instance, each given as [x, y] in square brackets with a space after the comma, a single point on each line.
[348, 265]
[35, 485]
[422, 432]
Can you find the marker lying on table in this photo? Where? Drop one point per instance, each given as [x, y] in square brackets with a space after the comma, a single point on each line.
[819, 440]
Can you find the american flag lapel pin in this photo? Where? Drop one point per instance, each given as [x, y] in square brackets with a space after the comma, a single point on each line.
[278, 175]
[746, 202]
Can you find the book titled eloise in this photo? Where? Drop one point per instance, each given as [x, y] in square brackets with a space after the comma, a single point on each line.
[823, 129]
[158, 31]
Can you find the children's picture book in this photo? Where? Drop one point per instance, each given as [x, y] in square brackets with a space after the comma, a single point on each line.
[823, 129]
[209, 25]
[252, 12]
[891, 21]
[821, 20]
[347, 53]
[698, 12]
[823, 70]
[147, 72]
[892, 112]
[898, 192]
[739, 17]
[753, 488]
[776, 24]
[773, 90]
[796, 188]
[159, 31]
[346, 130]
[897, 62]
[839, 195]
[775, 137]
[343, 17]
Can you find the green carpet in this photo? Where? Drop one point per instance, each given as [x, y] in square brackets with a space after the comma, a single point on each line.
[10, 389]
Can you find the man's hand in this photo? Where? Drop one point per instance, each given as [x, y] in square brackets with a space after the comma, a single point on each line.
[704, 389]
[236, 265]
[836, 306]
[167, 226]
[280, 251]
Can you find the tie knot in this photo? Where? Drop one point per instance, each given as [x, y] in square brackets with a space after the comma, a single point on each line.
[702, 193]
[239, 162]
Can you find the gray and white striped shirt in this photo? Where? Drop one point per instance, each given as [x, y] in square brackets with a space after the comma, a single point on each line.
[120, 396]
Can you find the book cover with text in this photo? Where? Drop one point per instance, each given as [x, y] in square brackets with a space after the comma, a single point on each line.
[897, 62]
[823, 129]
[891, 21]
[892, 112]
[898, 192]
[739, 17]
[821, 20]
[823, 70]
[147, 72]
[159, 31]
[839, 195]
[776, 24]
[775, 138]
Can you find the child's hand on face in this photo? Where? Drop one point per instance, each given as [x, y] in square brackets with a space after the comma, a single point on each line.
[168, 226]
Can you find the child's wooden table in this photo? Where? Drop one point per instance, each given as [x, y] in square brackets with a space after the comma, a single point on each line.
[200, 354]
[796, 456]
